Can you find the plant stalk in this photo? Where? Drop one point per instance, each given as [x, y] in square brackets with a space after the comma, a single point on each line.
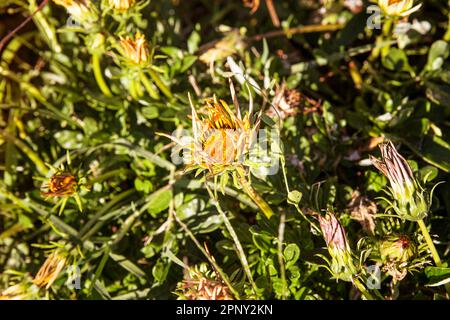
[98, 74]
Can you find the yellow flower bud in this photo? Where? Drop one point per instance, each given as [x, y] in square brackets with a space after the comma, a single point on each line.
[136, 50]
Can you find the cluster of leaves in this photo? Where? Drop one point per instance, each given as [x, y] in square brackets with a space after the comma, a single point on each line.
[139, 222]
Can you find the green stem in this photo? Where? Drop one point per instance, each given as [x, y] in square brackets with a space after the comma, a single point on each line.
[431, 246]
[384, 36]
[237, 243]
[429, 241]
[251, 192]
[164, 89]
[98, 74]
[363, 289]
[148, 86]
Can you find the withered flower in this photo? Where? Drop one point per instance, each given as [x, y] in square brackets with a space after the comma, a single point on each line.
[411, 202]
[202, 284]
[61, 184]
[136, 50]
[50, 270]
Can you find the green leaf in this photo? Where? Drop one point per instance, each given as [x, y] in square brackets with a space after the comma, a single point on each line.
[438, 53]
[396, 60]
[437, 275]
[291, 254]
[159, 201]
[69, 139]
[294, 197]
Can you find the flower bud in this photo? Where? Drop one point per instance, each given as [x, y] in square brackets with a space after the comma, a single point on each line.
[397, 248]
[136, 50]
[341, 265]
[411, 202]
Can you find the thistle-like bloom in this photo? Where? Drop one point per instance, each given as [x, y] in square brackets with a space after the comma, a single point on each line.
[398, 8]
[83, 11]
[411, 202]
[202, 284]
[61, 184]
[341, 265]
[50, 270]
[121, 5]
[220, 137]
[136, 50]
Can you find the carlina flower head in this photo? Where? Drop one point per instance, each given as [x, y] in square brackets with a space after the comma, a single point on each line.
[83, 11]
[220, 139]
[136, 50]
[341, 264]
[51, 269]
[203, 284]
[410, 198]
[63, 184]
[398, 8]
[121, 5]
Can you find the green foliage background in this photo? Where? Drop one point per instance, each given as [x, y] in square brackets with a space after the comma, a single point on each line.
[143, 219]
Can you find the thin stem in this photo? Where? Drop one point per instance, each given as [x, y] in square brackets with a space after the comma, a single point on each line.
[281, 228]
[363, 289]
[164, 89]
[236, 241]
[434, 253]
[148, 86]
[98, 74]
[210, 259]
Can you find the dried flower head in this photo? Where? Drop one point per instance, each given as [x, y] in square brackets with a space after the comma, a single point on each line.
[411, 202]
[398, 8]
[121, 5]
[203, 284]
[341, 265]
[61, 184]
[51, 269]
[363, 210]
[227, 46]
[136, 50]
[83, 11]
